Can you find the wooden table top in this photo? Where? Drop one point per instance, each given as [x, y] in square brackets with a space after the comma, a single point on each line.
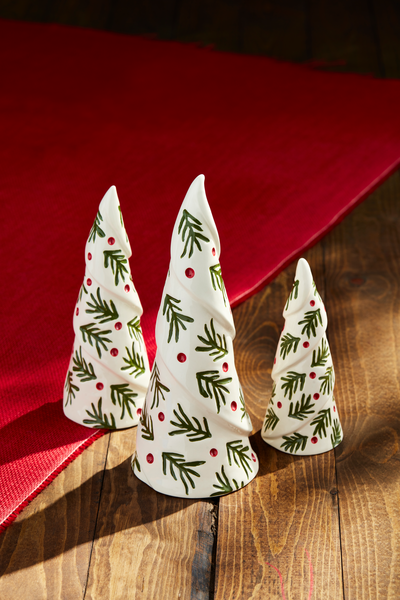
[322, 527]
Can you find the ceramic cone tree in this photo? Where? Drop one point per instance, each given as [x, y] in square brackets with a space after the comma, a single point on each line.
[108, 374]
[301, 416]
[192, 440]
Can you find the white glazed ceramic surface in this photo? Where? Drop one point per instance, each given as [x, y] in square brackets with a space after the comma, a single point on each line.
[109, 372]
[192, 440]
[301, 416]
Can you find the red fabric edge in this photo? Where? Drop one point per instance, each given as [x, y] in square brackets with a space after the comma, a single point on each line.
[85, 444]
[319, 235]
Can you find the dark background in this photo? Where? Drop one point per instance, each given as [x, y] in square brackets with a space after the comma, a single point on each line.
[343, 35]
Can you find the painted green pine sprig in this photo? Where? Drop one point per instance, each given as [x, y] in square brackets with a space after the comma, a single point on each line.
[177, 462]
[211, 385]
[83, 369]
[98, 420]
[70, 387]
[192, 233]
[123, 395]
[174, 316]
[192, 428]
[217, 280]
[214, 343]
[224, 486]
[157, 387]
[134, 362]
[102, 310]
[95, 336]
[117, 261]
[238, 452]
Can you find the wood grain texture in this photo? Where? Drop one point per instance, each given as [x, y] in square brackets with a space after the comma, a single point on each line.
[363, 299]
[291, 507]
[44, 554]
[148, 545]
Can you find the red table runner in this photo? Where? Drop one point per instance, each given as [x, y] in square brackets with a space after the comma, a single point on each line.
[286, 152]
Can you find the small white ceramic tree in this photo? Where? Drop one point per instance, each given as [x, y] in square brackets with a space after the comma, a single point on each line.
[108, 374]
[301, 416]
[192, 440]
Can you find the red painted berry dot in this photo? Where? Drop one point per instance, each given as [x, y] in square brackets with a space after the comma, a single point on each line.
[314, 440]
[114, 352]
[150, 458]
[279, 404]
[189, 273]
[77, 311]
[89, 281]
[161, 416]
[89, 256]
[334, 409]
[316, 396]
[253, 456]
[127, 288]
[306, 344]
[213, 251]
[111, 241]
[139, 411]
[275, 360]
[312, 375]
[233, 405]
[312, 302]
[225, 367]
[181, 357]
[99, 386]
[214, 452]
[118, 325]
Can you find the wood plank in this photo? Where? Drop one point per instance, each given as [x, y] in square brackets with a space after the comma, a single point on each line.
[291, 508]
[387, 17]
[210, 23]
[44, 554]
[343, 31]
[363, 299]
[148, 545]
[277, 28]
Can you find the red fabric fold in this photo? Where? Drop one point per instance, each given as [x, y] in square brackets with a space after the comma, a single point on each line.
[286, 152]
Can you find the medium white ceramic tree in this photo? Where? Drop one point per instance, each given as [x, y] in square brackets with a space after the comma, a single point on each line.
[108, 373]
[302, 416]
[192, 440]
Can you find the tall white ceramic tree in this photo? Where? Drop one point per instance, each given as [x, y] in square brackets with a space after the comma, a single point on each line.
[192, 440]
[302, 416]
[108, 373]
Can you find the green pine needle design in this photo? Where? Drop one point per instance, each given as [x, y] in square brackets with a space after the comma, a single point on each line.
[273, 394]
[185, 469]
[101, 309]
[84, 371]
[146, 422]
[310, 322]
[122, 394]
[288, 342]
[320, 356]
[120, 216]
[81, 291]
[321, 422]
[96, 229]
[211, 385]
[336, 435]
[213, 343]
[242, 405]
[224, 486]
[159, 388]
[92, 333]
[134, 361]
[316, 291]
[302, 408]
[171, 310]
[70, 387]
[98, 420]
[327, 381]
[217, 281]
[295, 292]
[292, 382]
[135, 462]
[237, 451]
[294, 443]
[117, 260]
[271, 420]
[135, 330]
[195, 432]
[192, 227]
